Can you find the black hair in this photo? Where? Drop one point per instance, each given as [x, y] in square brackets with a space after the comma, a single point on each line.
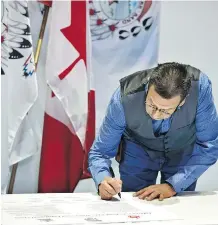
[170, 80]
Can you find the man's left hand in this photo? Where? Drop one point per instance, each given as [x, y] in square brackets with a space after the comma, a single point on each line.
[160, 191]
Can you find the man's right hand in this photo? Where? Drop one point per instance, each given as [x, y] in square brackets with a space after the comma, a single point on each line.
[109, 187]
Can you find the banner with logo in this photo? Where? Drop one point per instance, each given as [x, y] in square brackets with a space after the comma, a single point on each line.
[124, 40]
[18, 71]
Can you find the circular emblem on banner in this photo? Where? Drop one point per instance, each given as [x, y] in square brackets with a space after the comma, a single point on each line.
[109, 16]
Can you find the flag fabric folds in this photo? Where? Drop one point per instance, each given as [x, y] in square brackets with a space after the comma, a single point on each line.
[18, 75]
[65, 138]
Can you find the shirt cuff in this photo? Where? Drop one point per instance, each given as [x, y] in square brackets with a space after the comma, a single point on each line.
[180, 182]
[100, 177]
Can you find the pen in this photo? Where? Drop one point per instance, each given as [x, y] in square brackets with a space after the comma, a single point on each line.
[113, 176]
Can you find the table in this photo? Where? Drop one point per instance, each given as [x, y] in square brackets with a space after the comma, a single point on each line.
[191, 208]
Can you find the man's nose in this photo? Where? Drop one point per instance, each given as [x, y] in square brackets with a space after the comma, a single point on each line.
[156, 114]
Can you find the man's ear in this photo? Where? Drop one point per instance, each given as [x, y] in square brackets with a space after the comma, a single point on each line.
[182, 103]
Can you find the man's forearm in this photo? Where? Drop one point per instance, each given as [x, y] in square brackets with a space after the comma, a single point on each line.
[99, 168]
[200, 161]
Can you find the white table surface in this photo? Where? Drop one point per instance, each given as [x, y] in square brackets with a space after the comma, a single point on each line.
[191, 208]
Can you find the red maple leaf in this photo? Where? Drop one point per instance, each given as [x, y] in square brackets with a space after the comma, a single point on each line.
[76, 33]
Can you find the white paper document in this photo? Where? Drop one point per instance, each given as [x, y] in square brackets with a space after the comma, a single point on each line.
[80, 208]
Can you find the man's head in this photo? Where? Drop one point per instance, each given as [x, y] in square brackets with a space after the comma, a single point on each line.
[168, 87]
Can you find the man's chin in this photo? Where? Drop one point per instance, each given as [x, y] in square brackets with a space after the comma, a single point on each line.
[153, 118]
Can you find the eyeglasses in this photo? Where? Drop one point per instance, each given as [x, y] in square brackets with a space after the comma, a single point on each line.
[165, 113]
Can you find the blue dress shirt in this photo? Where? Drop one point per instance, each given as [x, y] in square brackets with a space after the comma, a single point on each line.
[205, 151]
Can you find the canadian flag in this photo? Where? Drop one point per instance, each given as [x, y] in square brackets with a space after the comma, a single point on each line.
[69, 124]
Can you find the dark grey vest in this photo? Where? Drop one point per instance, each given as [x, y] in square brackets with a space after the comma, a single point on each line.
[180, 138]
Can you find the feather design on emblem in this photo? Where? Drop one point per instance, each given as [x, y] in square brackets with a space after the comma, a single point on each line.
[15, 35]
